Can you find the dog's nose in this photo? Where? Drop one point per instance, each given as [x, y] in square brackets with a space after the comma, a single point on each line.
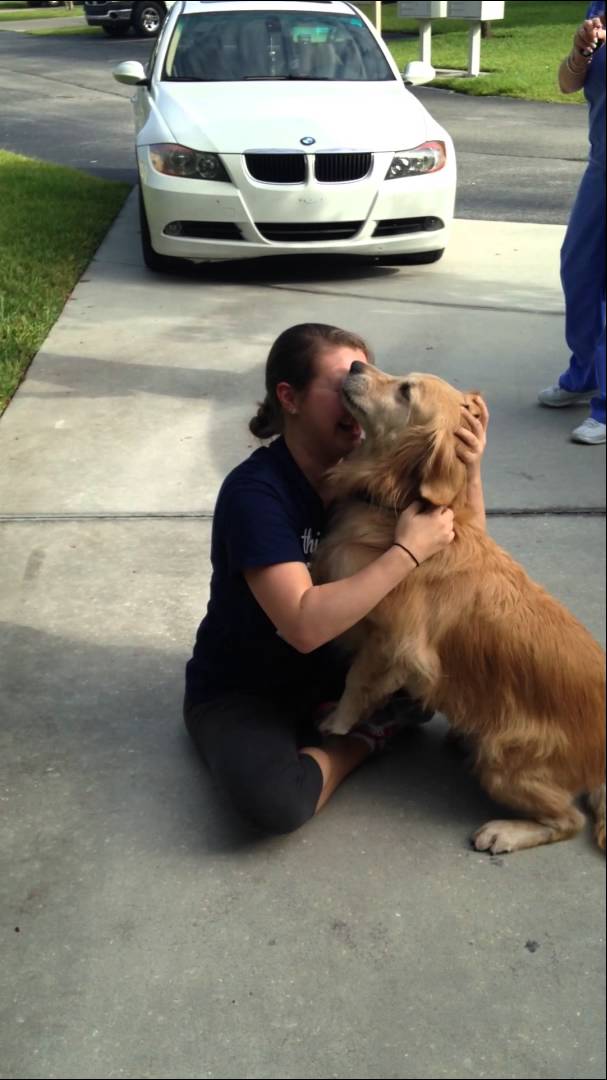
[357, 367]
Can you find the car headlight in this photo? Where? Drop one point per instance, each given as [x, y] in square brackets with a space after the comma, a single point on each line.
[175, 160]
[427, 158]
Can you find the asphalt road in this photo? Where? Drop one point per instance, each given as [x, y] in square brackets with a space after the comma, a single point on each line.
[518, 160]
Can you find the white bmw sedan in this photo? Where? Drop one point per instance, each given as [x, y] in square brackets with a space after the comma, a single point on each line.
[268, 128]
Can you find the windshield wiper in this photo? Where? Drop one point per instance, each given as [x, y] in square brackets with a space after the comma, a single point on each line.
[287, 78]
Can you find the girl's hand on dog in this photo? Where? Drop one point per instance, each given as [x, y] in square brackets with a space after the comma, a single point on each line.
[424, 532]
[472, 438]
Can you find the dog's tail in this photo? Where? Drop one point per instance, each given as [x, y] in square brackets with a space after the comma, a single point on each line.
[597, 805]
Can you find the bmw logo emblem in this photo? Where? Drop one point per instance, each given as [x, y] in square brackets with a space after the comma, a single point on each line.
[307, 140]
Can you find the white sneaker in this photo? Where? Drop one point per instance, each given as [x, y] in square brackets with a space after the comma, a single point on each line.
[555, 397]
[591, 432]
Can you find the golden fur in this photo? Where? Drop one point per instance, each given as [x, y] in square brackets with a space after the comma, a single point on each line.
[468, 632]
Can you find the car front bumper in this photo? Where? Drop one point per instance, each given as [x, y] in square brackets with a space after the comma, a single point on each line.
[249, 219]
[107, 15]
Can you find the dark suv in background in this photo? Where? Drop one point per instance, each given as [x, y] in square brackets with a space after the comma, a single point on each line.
[117, 17]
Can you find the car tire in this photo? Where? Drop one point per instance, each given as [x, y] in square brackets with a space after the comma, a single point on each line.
[148, 17]
[417, 258]
[116, 29]
[160, 264]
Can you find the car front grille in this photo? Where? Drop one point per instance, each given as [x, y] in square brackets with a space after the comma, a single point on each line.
[277, 168]
[293, 168]
[341, 168]
[401, 226]
[308, 232]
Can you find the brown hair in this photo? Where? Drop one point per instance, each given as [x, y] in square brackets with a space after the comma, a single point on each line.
[292, 359]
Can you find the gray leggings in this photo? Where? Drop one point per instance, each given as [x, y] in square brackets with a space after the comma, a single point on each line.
[251, 746]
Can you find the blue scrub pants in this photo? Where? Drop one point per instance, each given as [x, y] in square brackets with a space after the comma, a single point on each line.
[583, 279]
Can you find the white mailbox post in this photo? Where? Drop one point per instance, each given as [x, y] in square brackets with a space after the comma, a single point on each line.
[424, 12]
[478, 11]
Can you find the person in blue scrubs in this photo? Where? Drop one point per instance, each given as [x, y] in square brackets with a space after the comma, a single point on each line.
[583, 251]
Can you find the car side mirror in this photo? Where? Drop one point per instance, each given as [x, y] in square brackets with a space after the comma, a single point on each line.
[131, 72]
[418, 72]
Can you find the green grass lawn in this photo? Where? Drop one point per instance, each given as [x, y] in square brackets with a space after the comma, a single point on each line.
[521, 57]
[52, 220]
[12, 12]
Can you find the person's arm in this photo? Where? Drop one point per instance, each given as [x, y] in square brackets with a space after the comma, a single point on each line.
[470, 449]
[308, 616]
[574, 68]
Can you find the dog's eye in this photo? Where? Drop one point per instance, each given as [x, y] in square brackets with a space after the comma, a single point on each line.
[405, 390]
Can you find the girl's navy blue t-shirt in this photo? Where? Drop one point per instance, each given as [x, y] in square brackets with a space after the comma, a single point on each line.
[267, 512]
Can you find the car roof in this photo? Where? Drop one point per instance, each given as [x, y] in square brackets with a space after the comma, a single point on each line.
[341, 7]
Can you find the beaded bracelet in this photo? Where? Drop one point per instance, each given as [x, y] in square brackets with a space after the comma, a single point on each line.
[576, 71]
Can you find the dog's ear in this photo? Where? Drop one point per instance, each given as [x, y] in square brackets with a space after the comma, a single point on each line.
[443, 475]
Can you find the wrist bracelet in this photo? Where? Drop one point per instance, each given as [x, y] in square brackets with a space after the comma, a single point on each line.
[409, 553]
[578, 72]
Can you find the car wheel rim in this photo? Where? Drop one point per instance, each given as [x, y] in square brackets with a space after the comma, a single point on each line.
[150, 21]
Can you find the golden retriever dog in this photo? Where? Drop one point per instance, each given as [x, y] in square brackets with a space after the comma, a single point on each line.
[468, 633]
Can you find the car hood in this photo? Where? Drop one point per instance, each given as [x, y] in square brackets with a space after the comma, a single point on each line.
[234, 117]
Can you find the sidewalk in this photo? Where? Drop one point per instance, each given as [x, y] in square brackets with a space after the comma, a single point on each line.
[147, 932]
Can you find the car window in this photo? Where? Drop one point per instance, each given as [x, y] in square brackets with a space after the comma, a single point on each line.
[151, 64]
[241, 45]
[152, 57]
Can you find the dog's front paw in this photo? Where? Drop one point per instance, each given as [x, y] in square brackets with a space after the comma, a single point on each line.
[493, 837]
[497, 837]
[333, 725]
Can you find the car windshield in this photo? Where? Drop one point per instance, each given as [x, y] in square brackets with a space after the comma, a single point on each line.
[240, 45]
